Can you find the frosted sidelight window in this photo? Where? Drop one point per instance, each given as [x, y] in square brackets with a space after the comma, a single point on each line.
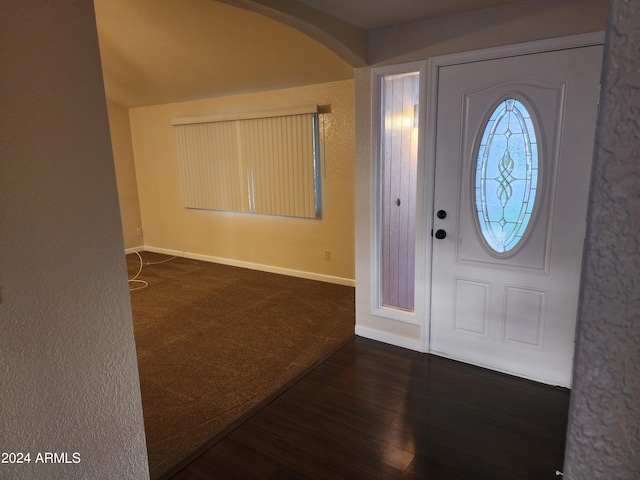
[264, 165]
[398, 158]
[506, 176]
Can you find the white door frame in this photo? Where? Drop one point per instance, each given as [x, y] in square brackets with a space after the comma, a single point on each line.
[377, 309]
[428, 171]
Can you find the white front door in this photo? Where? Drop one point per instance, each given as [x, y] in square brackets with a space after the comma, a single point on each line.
[514, 146]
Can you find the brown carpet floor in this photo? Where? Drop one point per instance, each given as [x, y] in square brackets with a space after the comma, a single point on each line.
[214, 342]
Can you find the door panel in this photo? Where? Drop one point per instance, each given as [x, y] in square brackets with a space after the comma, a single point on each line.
[549, 100]
[513, 311]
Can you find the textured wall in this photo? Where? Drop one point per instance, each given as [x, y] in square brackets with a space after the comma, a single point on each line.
[68, 372]
[120, 129]
[604, 430]
[346, 40]
[522, 21]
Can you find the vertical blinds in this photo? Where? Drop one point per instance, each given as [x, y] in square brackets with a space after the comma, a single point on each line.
[265, 164]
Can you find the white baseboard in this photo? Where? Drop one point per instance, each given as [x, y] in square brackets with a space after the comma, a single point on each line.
[127, 251]
[390, 338]
[349, 282]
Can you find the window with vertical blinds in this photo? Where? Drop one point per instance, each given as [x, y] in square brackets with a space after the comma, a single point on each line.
[266, 163]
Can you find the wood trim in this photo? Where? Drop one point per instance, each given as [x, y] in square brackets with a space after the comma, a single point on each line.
[390, 338]
[349, 282]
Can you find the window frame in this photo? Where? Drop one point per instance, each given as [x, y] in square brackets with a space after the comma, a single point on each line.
[423, 205]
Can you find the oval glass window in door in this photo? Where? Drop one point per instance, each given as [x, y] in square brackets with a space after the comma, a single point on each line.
[506, 176]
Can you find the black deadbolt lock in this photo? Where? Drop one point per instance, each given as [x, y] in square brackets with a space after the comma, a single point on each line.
[441, 214]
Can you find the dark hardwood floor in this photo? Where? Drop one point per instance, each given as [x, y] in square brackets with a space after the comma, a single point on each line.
[373, 411]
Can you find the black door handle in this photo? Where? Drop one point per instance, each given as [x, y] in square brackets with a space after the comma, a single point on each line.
[440, 234]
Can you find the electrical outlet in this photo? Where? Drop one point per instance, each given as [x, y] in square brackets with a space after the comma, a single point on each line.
[327, 255]
[139, 232]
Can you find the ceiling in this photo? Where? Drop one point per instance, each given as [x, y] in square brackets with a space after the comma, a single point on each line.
[374, 14]
[162, 51]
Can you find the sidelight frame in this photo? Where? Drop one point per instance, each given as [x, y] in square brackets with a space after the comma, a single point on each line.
[421, 223]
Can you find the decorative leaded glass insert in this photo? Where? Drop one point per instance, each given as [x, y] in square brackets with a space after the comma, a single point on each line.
[506, 179]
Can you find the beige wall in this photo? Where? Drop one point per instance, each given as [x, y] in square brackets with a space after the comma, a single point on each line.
[525, 21]
[67, 363]
[491, 27]
[120, 129]
[290, 245]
